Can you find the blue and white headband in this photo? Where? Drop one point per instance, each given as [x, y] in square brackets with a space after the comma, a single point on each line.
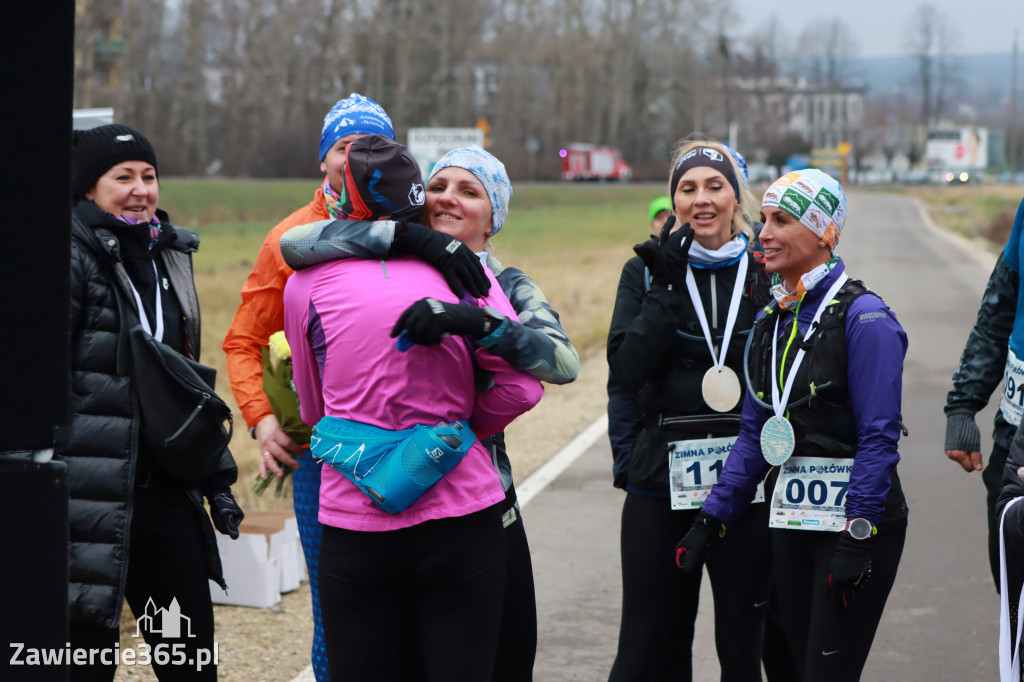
[489, 171]
[354, 115]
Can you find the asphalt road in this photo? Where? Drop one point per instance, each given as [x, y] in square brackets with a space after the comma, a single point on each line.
[941, 622]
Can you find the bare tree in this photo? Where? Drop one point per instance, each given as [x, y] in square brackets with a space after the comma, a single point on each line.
[827, 62]
[931, 41]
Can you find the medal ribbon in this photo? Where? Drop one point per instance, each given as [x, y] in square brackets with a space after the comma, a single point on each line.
[779, 405]
[734, 307]
[143, 318]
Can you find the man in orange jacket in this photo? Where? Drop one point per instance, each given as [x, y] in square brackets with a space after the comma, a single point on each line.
[261, 314]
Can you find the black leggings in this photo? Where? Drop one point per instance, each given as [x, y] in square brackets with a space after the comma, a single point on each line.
[830, 642]
[992, 476]
[167, 560]
[517, 643]
[659, 602]
[441, 582]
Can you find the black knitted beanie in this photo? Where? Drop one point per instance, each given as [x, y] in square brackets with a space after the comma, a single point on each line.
[97, 150]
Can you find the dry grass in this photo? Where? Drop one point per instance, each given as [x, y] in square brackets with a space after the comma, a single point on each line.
[972, 210]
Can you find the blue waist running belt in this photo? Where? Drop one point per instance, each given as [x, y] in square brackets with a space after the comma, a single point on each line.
[393, 468]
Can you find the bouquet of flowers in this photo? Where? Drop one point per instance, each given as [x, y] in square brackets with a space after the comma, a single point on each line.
[280, 390]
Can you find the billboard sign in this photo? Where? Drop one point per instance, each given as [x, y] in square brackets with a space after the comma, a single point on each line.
[957, 148]
[428, 145]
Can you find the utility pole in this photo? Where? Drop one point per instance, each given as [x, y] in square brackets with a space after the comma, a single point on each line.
[1013, 108]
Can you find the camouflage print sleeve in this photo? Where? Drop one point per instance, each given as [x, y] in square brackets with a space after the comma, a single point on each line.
[326, 240]
[536, 344]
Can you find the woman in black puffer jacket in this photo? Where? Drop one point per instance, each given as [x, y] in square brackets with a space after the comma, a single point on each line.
[135, 532]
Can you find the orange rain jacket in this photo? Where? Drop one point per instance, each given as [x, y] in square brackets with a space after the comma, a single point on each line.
[262, 313]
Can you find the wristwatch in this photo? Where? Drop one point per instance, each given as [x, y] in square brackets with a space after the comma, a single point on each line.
[860, 529]
[492, 320]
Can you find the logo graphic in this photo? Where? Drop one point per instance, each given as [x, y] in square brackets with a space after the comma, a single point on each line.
[712, 154]
[685, 157]
[124, 138]
[827, 201]
[416, 194]
[166, 622]
[436, 454]
[795, 203]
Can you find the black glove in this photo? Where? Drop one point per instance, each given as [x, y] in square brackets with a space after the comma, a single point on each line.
[226, 513]
[428, 321]
[667, 256]
[850, 568]
[448, 255]
[693, 548]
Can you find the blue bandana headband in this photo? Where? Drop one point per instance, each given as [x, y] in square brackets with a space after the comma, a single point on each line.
[354, 115]
[489, 171]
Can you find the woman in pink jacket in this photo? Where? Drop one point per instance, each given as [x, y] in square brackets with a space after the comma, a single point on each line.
[436, 567]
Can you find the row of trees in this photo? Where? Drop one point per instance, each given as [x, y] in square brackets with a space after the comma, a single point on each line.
[240, 87]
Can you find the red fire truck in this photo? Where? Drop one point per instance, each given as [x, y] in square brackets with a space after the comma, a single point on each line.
[591, 162]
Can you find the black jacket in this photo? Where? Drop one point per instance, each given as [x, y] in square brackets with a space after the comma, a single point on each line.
[981, 366]
[657, 351]
[103, 453]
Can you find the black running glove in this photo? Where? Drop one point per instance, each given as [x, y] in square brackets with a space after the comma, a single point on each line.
[428, 321]
[850, 568]
[667, 256]
[448, 255]
[226, 513]
[693, 549]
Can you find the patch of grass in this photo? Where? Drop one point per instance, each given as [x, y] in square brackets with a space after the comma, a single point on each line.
[970, 210]
[572, 239]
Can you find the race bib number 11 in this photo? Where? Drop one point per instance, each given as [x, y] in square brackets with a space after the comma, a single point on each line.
[694, 466]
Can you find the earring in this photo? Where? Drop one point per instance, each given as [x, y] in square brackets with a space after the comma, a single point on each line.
[821, 245]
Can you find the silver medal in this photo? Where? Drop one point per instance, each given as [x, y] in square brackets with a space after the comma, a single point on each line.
[721, 388]
[777, 440]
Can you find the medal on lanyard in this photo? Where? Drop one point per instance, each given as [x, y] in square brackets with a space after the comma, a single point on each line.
[720, 386]
[777, 438]
[143, 318]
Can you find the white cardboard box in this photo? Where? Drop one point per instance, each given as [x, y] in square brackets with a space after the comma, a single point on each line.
[263, 562]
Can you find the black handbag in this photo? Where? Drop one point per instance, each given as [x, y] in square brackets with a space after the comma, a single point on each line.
[185, 425]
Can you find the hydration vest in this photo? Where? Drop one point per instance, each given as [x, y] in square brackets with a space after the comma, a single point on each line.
[819, 404]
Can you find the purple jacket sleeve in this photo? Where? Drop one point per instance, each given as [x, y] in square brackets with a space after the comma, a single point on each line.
[745, 467]
[875, 348]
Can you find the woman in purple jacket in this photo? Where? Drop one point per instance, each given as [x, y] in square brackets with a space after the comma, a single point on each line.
[821, 418]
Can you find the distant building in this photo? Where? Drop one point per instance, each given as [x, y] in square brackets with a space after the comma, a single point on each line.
[99, 44]
[782, 108]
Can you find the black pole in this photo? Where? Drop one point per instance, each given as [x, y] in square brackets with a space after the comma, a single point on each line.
[37, 77]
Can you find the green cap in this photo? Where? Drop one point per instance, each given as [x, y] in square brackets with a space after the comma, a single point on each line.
[660, 204]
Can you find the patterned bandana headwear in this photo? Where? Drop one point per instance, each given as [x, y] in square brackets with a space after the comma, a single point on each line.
[489, 171]
[814, 198]
[741, 163]
[354, 115]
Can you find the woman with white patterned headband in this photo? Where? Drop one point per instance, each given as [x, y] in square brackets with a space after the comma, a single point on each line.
[822, 419]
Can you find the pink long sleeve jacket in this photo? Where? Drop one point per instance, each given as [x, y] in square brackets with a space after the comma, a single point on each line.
[337, 319]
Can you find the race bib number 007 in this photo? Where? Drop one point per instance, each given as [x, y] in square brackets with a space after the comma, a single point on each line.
[694, 467]
[811, 494]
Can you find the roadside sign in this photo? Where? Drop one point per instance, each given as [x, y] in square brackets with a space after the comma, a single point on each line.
[428, 145]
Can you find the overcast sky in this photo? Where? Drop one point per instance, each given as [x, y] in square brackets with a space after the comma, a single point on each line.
[879, 26]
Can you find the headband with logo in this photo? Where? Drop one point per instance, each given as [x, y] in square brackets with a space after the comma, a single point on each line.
[702, 156]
